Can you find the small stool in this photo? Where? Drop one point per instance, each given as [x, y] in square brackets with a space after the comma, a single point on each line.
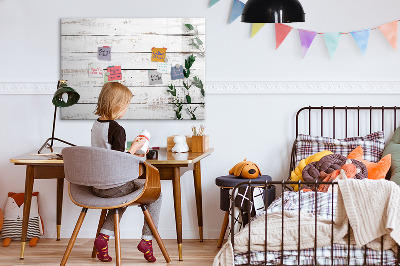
[226, 183]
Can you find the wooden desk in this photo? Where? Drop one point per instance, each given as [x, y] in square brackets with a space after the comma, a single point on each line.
[168, 164]
[40, 167]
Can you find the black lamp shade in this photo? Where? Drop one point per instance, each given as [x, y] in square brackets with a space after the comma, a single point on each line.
[273, 11]
[60, 101]
[73, 96]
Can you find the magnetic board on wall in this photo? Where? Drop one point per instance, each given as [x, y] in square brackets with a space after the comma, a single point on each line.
[131, 41]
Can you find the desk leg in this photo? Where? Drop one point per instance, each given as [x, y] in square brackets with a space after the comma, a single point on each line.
[27, 206]
[60, 190]
[176, 182]
[199, 204]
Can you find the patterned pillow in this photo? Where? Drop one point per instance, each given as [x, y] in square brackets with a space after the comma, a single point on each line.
[372, 144]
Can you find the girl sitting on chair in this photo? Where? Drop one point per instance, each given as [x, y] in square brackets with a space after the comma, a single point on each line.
[106, 133]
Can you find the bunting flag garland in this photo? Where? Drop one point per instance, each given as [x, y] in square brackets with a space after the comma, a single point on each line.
[237, 9]
[306, 39]
[361, 37]
[389, 30]
[281, 31]
[332, 41]
[256, 27]
[213, 2]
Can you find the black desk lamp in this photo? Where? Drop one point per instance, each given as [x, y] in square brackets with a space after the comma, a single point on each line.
[64, 96]
[273, 11]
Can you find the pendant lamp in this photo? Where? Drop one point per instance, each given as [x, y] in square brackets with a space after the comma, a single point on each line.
[273, 11]
[63, 97]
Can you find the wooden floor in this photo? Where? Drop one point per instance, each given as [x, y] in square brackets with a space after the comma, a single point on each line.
[50, 252]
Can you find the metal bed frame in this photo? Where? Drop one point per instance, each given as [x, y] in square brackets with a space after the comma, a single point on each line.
[283, 184]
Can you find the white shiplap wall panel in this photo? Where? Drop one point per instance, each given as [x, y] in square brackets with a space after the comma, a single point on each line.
[131, 41]
[130, 60]
[135, 111]
[130, 44]
[129, 26]
[130, 78]
[141, 95]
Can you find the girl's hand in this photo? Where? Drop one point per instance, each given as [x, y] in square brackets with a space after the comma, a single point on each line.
[137, 144]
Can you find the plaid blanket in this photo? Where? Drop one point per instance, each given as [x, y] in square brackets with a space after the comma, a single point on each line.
[340, 254]
[323, 205]
[306, 201]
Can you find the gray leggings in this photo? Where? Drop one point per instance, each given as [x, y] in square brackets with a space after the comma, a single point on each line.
[154, 208]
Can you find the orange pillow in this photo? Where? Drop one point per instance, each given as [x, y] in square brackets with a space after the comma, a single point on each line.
[375, 170]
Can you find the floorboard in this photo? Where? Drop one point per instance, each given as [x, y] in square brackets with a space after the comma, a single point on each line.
[50, 252]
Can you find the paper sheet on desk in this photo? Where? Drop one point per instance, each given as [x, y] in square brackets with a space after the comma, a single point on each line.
[53, 155]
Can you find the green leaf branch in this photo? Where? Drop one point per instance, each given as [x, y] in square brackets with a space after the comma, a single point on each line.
[191, 112]
[187, 84]
[195, 41]
[176, 101]
[199, 84]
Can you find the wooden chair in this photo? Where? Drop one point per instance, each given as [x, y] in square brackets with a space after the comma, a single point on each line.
[85, 167]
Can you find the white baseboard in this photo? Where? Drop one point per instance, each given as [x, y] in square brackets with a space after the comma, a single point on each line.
[248, 87]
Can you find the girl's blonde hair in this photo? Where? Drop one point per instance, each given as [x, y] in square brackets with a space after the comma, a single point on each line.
[112, 99]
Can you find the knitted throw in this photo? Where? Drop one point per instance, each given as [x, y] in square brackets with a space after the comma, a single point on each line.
[373, 209]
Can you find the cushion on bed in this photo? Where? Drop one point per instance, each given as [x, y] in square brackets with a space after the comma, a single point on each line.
[375, 170]
[372, 144]
[296, 174]
[393, 148]
[328, 164]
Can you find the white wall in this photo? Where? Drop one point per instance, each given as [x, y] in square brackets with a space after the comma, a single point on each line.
[259, 127]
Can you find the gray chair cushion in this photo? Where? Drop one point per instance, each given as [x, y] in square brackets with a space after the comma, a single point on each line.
[99, 167]
[83, 195]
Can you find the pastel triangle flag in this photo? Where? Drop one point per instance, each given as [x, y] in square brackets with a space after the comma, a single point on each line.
[213, 2]
[389, 30]
[237, 9]
[256, 27]
[332, 41]
[281, 31]
[361, 37]
[306, 39]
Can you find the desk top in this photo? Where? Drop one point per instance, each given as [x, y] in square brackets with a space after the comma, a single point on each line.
[168, 157]
[164, 157]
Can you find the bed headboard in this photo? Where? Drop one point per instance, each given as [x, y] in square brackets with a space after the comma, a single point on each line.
[377, 115]
[344, 121]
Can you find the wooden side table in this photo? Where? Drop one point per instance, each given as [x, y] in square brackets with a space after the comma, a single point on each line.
[226, 183]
